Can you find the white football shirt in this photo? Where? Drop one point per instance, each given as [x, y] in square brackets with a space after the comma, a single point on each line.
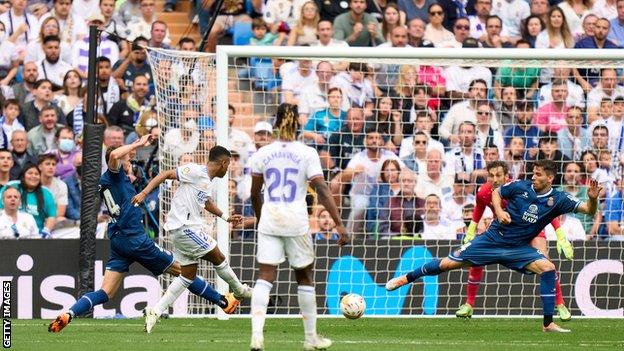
[286, 168]
[190, 197]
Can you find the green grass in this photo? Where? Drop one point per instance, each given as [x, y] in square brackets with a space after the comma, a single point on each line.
[287, 334]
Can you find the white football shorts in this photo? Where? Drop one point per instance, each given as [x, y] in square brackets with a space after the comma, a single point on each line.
[273, 250]
[190, 244]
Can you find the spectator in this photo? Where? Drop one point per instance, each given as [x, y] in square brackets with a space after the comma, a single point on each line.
[72, 26]
[14, 223]
[21, 154]
[416, 161]
[505, 105]
[84, 8]
[415, 8]
[127, 11]
[515, 158]
[314, 97]
[179, 141]
[382, 190]
[107, 86]
[572, 227]
[115, 28]
[603, 8]
[52, 68]
[615, 124]
[295, 81]
[239, 140]
[16, 20]
[453, 202]
[10, 58]
[467, 157]
[263, 135]
[524, 80]
[324, 122]
[392, 18]
[415, 32]
[557, 34]
[125, 113]
[134, 65]
[574, 12]
[434, 226]
[540, 8]
[574, 138]
[600, 137]
[423, 123]
[234, 12]
[159, 35]
[304, 32]
[435, 31]
[140, 26]
[106, 47]
[387, 121]
[356, 87]
[551, 116]
[455, 9]
[532, 28]
[589, 25]
[74, 190]
[6, 163]
[524, 128]
[406, 209]
[576, 95]
[47, 167]
[460, 31]
[433, 181]
[614, 210]
[42, 91]
[483, 8]
[548, 151]
[362, 172]
[591, 170]
[9, 122]
[36, 199]
[464, 111]
[72, 92]
[588, 78]
[325, 32]
[66, 152]
[348, 142]
[606, 88]
[460, 80]
[493, 39]
[572, 185]
[41, 138]
[386, 75]
[23, 92]
[512, 14]
[357, 27]
[261, 35]
[326, 227]
[487, 136]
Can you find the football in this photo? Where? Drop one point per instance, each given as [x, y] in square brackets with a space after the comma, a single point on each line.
[352, 306]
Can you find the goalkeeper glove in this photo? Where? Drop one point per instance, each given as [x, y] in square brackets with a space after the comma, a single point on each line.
[470, 232]
[563, 245]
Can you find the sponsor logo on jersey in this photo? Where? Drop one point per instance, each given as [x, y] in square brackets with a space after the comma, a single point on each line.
[530, 215]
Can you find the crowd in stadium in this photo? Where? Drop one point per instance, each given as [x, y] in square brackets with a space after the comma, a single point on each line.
[404, 146]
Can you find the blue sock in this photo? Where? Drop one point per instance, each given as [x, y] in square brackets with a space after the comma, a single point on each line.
[547, 293]
[87, 302]
[201, 288]
[429, 268]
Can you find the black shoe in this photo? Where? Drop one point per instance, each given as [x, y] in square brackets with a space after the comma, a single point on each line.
[168, 8]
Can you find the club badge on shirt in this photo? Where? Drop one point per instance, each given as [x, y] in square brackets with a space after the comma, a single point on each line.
[551, 201]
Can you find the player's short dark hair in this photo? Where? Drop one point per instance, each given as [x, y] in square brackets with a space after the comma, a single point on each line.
[496, 164]
[218, 152]
[549, 166]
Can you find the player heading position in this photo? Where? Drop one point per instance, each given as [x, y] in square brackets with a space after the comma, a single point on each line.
[129, 243]
[498, 175]
[184, 224]
[286, 165]
[531, 205]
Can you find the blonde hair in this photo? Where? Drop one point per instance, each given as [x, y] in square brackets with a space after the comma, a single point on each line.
[564, 31]
[402, 88]
[286, 122]
[302, 22]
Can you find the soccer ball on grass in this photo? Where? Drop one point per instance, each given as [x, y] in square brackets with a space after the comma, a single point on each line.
[352, 306]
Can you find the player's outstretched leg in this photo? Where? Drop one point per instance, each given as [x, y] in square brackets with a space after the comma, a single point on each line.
[547, 293]
[225, 272]
[564, 313]
[475, 274]
[429, 268]
[82, 306]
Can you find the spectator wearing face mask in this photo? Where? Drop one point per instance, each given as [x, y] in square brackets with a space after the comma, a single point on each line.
[65, 153]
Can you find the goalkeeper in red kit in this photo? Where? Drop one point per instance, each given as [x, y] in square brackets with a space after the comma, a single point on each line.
[497, 176]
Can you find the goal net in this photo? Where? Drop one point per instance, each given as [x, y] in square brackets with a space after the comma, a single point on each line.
[404, 136]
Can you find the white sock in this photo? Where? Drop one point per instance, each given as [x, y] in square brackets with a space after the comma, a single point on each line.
[177, 287]
[259, 303]
[226, 273]
[307, 304]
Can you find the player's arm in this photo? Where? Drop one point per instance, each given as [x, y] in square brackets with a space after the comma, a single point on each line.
[116, 155]
[591, 205]
[211, 207]
[497, 203]
[257, 180]
[326, 199]
[159, 179]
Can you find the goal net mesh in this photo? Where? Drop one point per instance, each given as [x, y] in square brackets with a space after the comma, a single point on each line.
[404, 144]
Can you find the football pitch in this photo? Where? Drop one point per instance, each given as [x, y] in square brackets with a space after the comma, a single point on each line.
[287, 334]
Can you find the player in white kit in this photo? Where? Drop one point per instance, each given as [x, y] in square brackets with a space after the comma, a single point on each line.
[286, 166]
[185, 225]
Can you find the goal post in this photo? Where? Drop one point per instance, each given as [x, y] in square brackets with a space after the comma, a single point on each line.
[589, 283]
